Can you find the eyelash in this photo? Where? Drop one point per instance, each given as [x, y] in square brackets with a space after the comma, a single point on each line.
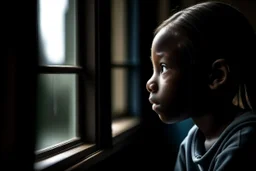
[163, 66]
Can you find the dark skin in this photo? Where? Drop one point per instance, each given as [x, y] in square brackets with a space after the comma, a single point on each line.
[207, 105]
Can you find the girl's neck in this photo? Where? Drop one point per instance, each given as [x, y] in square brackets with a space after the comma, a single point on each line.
[213, 123]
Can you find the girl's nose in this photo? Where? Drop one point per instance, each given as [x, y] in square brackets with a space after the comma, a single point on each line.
[151, 86]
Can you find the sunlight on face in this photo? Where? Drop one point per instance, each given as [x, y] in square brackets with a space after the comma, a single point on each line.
[166, 87]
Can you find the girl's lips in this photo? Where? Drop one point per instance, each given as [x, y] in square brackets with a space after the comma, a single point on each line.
[152, 101]
[155, 107]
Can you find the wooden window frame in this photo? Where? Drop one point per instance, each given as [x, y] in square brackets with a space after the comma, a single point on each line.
[127, 122]
[68, 153]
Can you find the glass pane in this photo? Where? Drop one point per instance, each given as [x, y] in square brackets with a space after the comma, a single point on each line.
[119, 92]
[57, 32]
[119, 31]
[56, 109]
[134, 92]
[133, 33]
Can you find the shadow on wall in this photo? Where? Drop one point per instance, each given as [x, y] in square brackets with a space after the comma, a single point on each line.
[177, 132]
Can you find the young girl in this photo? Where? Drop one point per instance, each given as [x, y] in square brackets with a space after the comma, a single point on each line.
[203, 66]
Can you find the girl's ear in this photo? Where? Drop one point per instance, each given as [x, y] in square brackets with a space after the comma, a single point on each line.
[219, 74]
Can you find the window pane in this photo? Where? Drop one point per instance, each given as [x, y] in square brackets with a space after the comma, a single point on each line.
[134, 91]
[57, 32]
[119, 90]
[119, 31]
[56, 109]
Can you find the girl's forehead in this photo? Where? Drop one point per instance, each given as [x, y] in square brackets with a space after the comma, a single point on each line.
[160, 38]
[166, 40]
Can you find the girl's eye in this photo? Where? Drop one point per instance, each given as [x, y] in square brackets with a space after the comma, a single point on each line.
[163, 68]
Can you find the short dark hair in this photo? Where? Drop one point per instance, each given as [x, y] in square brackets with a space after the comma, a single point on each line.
[215, 30]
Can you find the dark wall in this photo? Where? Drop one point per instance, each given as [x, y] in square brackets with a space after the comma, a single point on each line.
[247, 7]
[19, 59]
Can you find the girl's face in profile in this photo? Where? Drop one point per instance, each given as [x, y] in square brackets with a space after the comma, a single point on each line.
[168, 85]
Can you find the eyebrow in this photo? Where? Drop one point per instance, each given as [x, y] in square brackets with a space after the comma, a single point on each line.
[159, 54]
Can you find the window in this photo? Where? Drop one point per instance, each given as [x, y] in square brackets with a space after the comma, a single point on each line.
[65, 118]
[57, 109]
[82, 86]
[124, 65]
[58, 75]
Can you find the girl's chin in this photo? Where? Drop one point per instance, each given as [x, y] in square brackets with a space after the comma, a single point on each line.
[172, 119]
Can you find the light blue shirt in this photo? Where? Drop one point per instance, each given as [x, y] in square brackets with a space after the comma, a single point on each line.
[235, 149]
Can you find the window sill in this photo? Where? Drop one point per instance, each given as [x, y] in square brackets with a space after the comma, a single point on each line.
[124, 127]
[123, 130]
[66, 158]
[84, 156]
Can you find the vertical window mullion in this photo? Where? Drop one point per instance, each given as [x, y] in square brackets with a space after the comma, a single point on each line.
[103, 59]
[81, 119]
[133, 57]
